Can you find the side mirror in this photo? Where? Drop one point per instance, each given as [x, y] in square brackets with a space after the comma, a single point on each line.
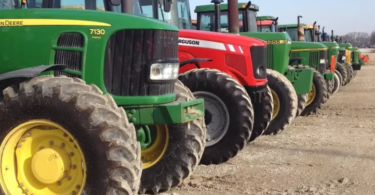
[115, 2]
[248, 5]
[167, 5]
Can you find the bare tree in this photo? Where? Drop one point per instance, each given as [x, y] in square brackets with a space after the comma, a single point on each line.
[358, 39]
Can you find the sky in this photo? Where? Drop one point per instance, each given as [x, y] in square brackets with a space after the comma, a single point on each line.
[342, 16]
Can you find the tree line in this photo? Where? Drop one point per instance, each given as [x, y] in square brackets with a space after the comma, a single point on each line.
[360, 39]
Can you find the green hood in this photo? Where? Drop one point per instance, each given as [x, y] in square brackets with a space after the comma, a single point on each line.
[307, 46]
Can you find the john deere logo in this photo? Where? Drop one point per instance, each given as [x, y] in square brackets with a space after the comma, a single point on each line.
[7, 23]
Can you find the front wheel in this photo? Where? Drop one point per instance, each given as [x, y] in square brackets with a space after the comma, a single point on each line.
[229, 114]
[174, 150]
[337, 83]
[317, 96]
[62, 136]
[285, 102]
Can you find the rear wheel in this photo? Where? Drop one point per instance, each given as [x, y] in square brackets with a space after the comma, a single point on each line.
[344, 73]
[61, 136]
[229, 114]
[174, 150]
[262, 115]
[317, 96]
[285, 102]
[339, 76]
[302, 99]
[330, 86]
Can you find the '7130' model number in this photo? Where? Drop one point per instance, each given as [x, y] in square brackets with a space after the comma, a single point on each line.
[97, 31]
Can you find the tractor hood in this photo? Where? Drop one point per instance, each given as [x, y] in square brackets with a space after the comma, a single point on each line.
[355, 49]
[275, 36]
[331, 45]
[306, 46]
[346, 45]
[225, 38]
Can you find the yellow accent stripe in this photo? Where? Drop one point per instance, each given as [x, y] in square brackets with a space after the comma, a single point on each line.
[48, 22]
[272, 42]
[312, 49]
[334, 47]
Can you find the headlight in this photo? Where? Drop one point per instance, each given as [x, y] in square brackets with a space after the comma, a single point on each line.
[322, 61]
[289, 41]
[343, 58]
[164, 71]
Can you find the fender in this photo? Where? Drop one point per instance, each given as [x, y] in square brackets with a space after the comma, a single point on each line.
[18, 76]
[195, 61]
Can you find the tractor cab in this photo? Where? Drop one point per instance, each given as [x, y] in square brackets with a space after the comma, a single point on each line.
[267, 23]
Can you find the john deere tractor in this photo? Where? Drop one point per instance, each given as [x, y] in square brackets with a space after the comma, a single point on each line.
[60, 135]
[314, 55]
[285, 82]
[333, 50]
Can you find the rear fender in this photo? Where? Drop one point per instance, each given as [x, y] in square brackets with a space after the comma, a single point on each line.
[18, 76]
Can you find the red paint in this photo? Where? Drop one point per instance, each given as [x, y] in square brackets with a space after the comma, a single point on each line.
[226, 42]
[265, 23]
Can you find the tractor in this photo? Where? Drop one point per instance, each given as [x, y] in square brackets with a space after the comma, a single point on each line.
[289, 85]
[314, 55]
[95, 106]
[312, 34]
[229, 72]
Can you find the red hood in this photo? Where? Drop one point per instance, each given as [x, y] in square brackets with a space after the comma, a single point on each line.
[221, 37]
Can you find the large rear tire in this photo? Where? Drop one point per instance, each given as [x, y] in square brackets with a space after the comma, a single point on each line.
[330, 86]
[349, 70]
[262, 115]
[285, 102]
[339, 76]
[302, 99]
[344, 73]
[317, 96]
[229, 114]
[176, 154]
[90, 145]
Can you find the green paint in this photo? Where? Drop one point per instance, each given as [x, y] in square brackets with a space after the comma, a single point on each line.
[301, 79]
[27, 46]
[355, 55]
[328, 76]
[261, 18]
[333, 50]
[291, 25]
[170, 113]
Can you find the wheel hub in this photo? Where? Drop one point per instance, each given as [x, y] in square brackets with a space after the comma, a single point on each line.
[276, 104]
[216, 117]
[311, 95]
[41, 157]
[48, 166]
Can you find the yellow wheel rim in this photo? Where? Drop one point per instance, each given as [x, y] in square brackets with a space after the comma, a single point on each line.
[311, 95]
[41, 157]
[154, 153]
[276, 104]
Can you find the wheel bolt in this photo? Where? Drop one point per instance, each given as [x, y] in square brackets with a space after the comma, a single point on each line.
[71, 154]
[74, 166]
[41, 148]
[51, 143]
[78, 186]
[74, 192]
[19, 145]
[69, 178]
[62, 145]
[21, 185]
[23, 139]
[59, 183]
[26, 191]
[70, 140]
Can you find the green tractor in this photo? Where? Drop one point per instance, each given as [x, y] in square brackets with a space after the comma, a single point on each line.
[314, 55]
[60, 135]
[289, 85]
[313, 35]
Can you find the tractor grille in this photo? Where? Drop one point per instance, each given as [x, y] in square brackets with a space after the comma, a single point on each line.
[258, 57]
[314, 60]
[269, 54]
[127, 55]
[341, 54]
[325, 66]
[72, 59]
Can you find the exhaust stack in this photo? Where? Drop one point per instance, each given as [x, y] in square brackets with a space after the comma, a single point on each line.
[217, 14]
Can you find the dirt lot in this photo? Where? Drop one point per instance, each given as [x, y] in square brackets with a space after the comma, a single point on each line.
[332, 152]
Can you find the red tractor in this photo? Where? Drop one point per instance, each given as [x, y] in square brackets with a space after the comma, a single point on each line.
[228, 71]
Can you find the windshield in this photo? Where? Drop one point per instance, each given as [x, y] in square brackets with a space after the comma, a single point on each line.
[308, 35]
[67, 4]
[252, 17]
[317, 38]
[292, 33]
[207, 21]
[266, 28]
[179, 15]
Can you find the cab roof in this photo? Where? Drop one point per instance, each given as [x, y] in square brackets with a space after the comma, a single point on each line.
[264, 22]
[211, 7]
[291, 25]
[261, 18]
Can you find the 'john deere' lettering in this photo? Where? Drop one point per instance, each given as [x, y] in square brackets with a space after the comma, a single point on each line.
[7, 23]
[189, 42]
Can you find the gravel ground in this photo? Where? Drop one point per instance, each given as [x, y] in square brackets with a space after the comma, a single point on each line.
[327, 153]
